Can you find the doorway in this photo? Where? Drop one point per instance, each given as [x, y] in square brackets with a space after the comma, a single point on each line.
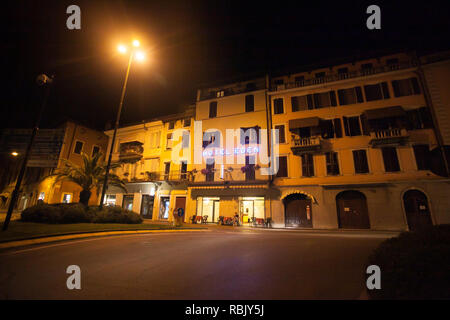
[417, 210]
[147, 206]
[164, 208]
[298, 210]
[352, 210]
[251, 208]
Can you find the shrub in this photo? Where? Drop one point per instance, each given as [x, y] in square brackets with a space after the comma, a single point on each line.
[77, 213]
[414, 265]
[114, 214]
[41, 213]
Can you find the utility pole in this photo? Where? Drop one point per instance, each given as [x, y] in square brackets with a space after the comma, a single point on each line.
[44, 81]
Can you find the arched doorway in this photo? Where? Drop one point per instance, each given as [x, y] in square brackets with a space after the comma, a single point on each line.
[352, 210]
[416, 209]
[298, 210]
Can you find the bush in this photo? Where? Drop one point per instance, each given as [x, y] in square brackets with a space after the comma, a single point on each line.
[414, 265]
[77, 213]
[114, 214]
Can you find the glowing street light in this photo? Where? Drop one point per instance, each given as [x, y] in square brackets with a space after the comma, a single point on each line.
[14, 153]
[139, 56]
[121, 48]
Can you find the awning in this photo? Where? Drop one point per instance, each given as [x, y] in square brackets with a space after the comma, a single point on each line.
[388, 112]
[304, 122]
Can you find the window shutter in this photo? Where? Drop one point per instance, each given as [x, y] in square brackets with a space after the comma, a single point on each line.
[364, 125]
[384, 86]
[310, 101]
[396, 88]
[415, 86]
[333, 98]
[359, 97]
[341, 97]
[316, 100]
[337, 128]
[346, 126]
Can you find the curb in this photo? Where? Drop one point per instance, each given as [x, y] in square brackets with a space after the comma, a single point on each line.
[26, 242]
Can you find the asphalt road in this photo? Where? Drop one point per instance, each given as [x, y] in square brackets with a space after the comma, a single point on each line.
[224, 263]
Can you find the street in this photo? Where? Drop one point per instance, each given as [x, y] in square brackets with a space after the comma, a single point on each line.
[221, 263]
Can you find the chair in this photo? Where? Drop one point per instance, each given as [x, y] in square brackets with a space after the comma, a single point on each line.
[204, 219]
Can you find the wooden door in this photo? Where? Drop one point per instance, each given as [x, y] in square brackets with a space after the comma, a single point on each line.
[352, 210]
[298, 211]
[416, 209]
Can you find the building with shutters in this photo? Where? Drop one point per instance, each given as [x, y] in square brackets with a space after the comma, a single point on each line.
[156, 180]
[359, 145]
[51, 149]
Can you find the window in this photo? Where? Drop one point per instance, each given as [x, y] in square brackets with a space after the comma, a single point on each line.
[212, 137]
[390, 159]
[213, 109]
[351, 126]
[342, 70]
[376, 91]
[299, 80]
[332, 163]
[281, 133]
[360, 161]
[405, 87]
[331, 128]
[67, 198]
[279, 81]
[171, 125]
[155, 138]
[278, 107]
[210, 168]
[419, 119]
[250, 135]
[78, 147]
[220, 93]
[183, 170]
[95, 150]
[282, 167]
[366, 68]
[185, 140]
[249, 103]
[307, 165]
[166, 170]
[169, 141]
[250, 174]
[350, 96]
[422, 155]
[319, 74]
[324, 99]
[299, 103]
[41, 196]
[187, 122]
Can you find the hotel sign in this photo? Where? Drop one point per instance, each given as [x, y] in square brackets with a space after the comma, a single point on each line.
[227, 152]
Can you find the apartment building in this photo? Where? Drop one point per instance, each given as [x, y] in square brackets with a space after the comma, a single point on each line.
[156, 179]
[358, 148]
[52, 147]
[231, 127]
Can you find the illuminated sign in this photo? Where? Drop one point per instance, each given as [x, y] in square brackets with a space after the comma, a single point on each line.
[225, 152]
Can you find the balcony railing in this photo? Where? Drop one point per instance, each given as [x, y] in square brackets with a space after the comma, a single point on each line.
[306, 145]
[159, 176]
[341, 76]
[385, 137]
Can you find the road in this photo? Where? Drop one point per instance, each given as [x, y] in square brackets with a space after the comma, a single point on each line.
[223, 263]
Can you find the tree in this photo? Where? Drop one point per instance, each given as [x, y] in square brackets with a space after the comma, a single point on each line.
[89, 175]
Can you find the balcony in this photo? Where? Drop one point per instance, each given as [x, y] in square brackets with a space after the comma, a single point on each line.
[301, 146]
[342, 76]
[131, 151]
[388, 137]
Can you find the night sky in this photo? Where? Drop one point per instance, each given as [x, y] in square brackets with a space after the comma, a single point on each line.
[190, 44]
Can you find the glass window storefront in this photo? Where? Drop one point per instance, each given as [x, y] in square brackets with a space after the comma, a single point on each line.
[251, 208]
[110, 200]
[164, 208]
[128, 202]
[209, 206]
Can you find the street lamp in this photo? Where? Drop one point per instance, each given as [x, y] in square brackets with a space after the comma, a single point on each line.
[43, 81]
[139, 56]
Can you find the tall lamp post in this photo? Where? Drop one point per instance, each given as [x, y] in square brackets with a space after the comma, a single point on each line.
[45, 81]
[138, 55]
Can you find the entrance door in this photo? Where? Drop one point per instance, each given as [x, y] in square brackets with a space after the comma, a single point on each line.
[416, 209]
[216, 212]
[352, 210]
[147, 206]
[180, 202]
[298, 211]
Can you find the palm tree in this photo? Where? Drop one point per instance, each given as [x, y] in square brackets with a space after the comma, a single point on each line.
[89, 175]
